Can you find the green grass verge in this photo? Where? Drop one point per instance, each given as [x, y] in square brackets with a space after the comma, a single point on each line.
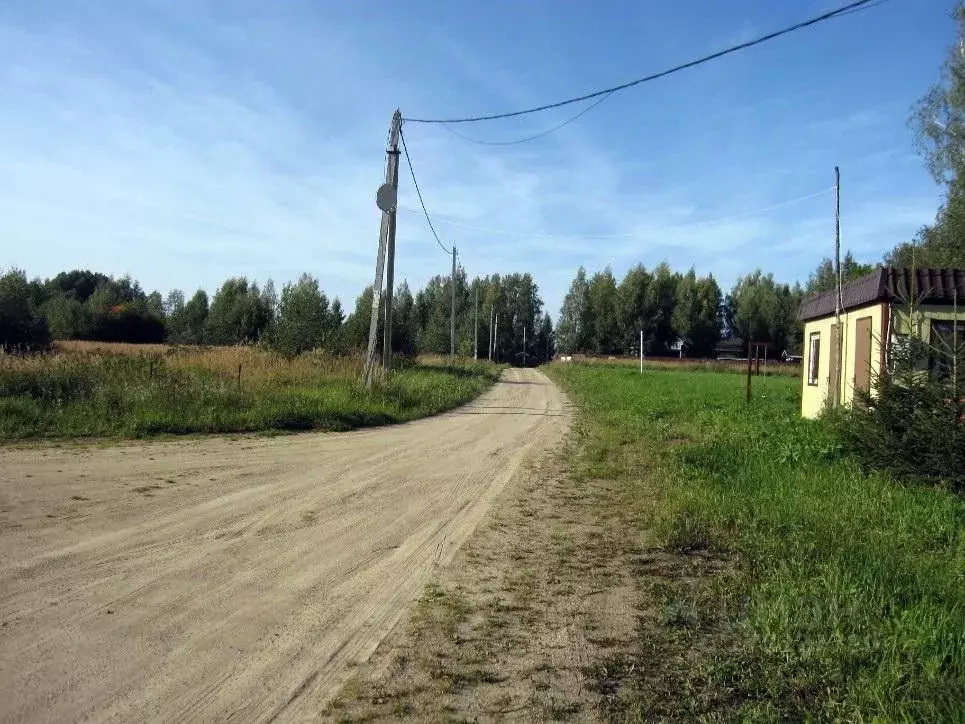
[129, 396]
[846, 597]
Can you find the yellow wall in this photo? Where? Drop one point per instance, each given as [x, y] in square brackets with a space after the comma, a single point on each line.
[814, 397]
[922, 319]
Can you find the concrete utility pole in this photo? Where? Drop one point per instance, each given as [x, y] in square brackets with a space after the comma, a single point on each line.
[475, 325]
[836, 392]
[386, 201]
[452, 318]
[496, 340]
[390, 247]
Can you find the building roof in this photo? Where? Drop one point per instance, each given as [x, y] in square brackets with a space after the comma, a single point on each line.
[731, 344]
[928, 286]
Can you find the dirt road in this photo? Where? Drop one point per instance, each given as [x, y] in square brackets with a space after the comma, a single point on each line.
[237, 577]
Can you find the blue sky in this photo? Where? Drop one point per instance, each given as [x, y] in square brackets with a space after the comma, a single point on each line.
[185, 142]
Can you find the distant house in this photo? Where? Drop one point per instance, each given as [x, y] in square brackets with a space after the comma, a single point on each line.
[731, 348]
[874, 311]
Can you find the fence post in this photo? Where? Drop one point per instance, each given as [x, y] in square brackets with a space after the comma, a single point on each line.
[748, 372]
[641, 351]
[239, 376]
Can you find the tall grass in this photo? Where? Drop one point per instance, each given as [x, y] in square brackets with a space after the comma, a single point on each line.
[851, 591]
[127, 390]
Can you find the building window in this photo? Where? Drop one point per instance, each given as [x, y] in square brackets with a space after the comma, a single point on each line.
[947, 342]
[814, 355]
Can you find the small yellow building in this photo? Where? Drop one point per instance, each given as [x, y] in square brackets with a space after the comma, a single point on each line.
[874, 309]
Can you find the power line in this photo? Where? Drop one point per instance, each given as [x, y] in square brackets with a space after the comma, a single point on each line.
[548, 131]
[583, 237]
[415, 183]
[850, 7]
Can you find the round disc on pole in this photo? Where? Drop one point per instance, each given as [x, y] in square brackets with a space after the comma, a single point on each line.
[385, 198]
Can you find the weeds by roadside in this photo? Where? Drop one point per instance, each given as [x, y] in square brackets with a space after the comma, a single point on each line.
[84, 392]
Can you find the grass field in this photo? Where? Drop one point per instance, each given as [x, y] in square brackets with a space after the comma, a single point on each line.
[103, 390]
[768, 368]
[826, 593]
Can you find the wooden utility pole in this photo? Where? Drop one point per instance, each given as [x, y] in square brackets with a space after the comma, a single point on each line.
[836, 393]
[524, 345]
[386, 241]
[452, 317]
[475, 324]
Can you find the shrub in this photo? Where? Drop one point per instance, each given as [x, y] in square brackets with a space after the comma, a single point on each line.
[914, 423]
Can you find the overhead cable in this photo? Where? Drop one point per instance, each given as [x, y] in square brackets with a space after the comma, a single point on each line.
[415, 183]
[846, 9]
[514, 141]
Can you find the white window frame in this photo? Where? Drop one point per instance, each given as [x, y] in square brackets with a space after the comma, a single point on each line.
[814, 359]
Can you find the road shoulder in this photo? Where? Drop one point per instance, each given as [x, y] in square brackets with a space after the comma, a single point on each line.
[533, 620]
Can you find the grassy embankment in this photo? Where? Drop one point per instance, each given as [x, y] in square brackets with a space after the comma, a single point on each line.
[843, 594]
[97, 390]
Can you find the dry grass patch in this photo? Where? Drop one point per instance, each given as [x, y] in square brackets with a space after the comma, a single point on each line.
[115, 390]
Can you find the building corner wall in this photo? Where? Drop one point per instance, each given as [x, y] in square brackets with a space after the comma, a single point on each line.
[814, 398]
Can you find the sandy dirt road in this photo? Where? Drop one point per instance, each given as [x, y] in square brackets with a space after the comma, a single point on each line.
[237, 578]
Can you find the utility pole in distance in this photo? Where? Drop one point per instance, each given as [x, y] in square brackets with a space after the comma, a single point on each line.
[524, 345]
[452, 318]
[836, 393]
[385, 199]
[641, 351]
[489, 350]
[496, 340]
[475, 325]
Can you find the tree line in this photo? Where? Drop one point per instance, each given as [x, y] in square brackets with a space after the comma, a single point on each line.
[682, 313]
[599, 314]
[677, 313]
[86, 305]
